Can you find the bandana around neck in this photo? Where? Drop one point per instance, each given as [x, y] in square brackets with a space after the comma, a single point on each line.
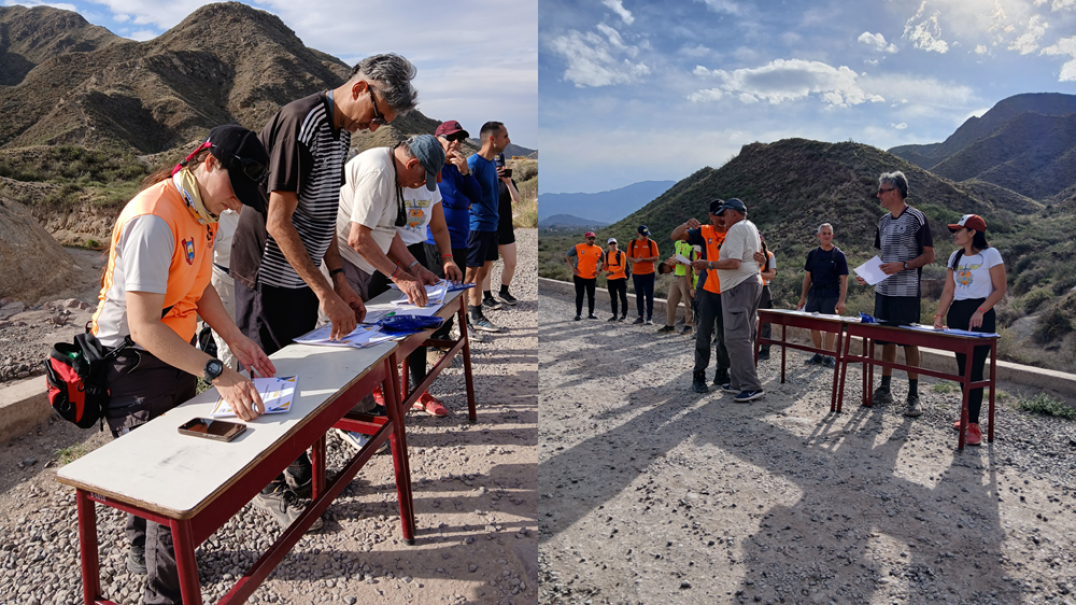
[188, 187]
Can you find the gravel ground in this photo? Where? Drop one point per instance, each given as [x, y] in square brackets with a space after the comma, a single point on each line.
[474, 489]
[651, 493]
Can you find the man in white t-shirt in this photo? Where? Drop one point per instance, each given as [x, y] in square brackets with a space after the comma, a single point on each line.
[741, 290]
[388, 199]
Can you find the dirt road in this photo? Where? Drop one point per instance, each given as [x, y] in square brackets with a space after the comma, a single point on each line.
[650, 493]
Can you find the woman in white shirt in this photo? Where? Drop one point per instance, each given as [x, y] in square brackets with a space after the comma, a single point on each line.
[974, 283]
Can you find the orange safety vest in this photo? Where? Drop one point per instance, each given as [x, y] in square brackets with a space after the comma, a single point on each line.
[192, 259]
[617, 267]
[762, 269]
[588, 256]
[713, 254]
[645, 268]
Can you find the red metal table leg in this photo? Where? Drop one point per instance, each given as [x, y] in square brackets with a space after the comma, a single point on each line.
[969, 353]
[317, 452]
[87, 539]
[393, 399]
[783, 341]
[468, 379]
[186, 565]
[993, 386]
[842, 369]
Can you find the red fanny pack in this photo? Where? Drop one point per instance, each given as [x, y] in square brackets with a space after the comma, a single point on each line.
[75, 374]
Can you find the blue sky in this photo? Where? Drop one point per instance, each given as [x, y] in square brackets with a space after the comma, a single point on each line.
[477, 59]
[633, 91]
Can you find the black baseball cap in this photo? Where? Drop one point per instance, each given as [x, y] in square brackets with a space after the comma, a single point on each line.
[715, 205]
[240, 151]
[732, 204]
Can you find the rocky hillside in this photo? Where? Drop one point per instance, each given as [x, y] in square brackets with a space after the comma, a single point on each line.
[43, 266]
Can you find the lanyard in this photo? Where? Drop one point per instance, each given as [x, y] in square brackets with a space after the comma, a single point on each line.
[401, 210]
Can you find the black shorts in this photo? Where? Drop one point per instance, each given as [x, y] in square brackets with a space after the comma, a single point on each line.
[481, 248]
[821, 304]
[505, 232]
[896, 311]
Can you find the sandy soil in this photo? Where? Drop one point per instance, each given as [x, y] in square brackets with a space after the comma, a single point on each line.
[650, 493]
[475, 490]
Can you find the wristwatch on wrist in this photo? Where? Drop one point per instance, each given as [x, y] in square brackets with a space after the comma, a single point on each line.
[213, 369]
[905, 265]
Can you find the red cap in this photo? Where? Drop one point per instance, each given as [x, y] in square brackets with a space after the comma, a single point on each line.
[589, 234]
[970, 221]
[450, 127]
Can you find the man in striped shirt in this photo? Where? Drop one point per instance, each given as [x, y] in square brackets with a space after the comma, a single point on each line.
[906, 245]
[276, 257]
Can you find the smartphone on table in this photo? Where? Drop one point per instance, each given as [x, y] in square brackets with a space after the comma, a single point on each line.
[210, 428]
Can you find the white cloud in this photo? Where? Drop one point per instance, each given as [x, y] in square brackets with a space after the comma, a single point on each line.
[591, 60]
[1028, 42]
[121, 18]
[143, 34]
[925, 34]
[900, 126]
[723, 6]
[1065, 46]
[695, 51]
[1058, 5]
[617, 6]
[786, 80]
[877, 42]
[980, 49]
[33, 3]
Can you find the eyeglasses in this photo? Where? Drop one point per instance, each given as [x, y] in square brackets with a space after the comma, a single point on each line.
[253, 169]
[378, 118]
[882, 190]
[455, 136]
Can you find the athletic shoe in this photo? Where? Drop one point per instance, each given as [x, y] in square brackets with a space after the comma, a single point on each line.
[623, 318]
[578, 318]
[956, 425]
[638, 320]
[763, 354]
[284, 506]
[491, 303]
[721, 377]
[666, 329]
[429, 404]
[379, 400]
[484, 325]
[974, 436]
[359, 441]
[727, 387]
[914, 409]
[747, 396]
[698, 383]
[649, 321]
[299, 477]
[882, 395]
[613, 318]
[592, 316]
[815, 360]
[687, 331]
[507, 298]
[829, 362]
[136, 560]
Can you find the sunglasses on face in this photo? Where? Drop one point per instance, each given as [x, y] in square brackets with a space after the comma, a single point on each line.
[251, 168]
[378, 118]
[882, 190]
[455, 137]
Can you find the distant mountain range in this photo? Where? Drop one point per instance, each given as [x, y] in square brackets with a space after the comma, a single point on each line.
[568, 221]
[604, 207]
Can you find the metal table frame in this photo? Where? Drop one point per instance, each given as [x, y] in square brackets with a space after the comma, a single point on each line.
[796, 319]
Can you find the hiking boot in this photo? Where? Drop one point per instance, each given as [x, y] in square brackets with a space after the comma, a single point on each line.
[299, 477]
[749, 396]
[687, 331]
[136, 560]
[974, 436]
[429, 404]
[359, 441]
[491, 303]
[613, 318]
[592, 316]
[623, 318]
[815, 360]
[507, 298]
[727, 387]
[578, 318]
[721, 377]
[882, 395]
[698, 383]
[666, 329]
[914, 409]
[638, 320]
[284, 506]
[829, 362]
[483, 324]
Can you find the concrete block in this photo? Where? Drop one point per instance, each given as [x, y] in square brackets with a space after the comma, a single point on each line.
[24, 405]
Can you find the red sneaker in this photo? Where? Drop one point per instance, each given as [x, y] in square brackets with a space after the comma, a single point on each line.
[429, 404]
[974, 436]
[379, 397]
[956, 425]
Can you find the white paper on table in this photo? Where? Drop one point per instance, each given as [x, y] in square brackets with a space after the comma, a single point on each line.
[276, 393]
[435, 295]
[360, 337]
[683, 260]
[871, 271]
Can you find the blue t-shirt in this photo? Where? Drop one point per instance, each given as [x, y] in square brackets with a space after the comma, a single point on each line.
[458, 193]
[484, 213]
[826, 270]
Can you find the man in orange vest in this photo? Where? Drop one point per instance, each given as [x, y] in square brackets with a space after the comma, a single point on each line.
[584, 259]
[615, 266]
[642, 252]
[708, 293]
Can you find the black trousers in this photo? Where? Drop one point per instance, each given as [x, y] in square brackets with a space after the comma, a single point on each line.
[618, 288]
[433, 255]
[144, 387]
[710, 321]
[379, 283]
[959, 317]
[582, 285]
[766, 302]
[644, 292]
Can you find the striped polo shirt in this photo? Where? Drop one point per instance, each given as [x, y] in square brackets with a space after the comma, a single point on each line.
[902, 239]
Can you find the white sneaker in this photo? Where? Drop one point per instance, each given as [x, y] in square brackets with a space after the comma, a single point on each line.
[359, 440]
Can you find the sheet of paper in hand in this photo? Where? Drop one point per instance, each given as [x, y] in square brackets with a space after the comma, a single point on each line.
[276, 393]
